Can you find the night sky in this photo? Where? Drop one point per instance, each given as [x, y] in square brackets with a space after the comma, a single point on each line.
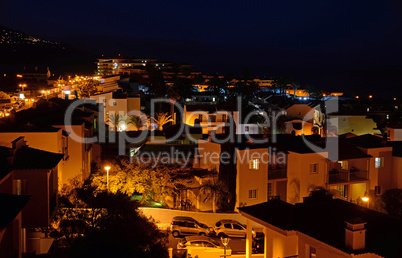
[310, 40]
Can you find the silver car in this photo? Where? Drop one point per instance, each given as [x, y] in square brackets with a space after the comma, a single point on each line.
[231, 228]
[188, 226]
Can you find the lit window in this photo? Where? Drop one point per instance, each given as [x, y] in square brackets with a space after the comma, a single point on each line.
[252, 194]
[379, 162]
[342, 191]
[246, 128]
[314, 168]
[254, 164]
[344, 164]
[313, 252]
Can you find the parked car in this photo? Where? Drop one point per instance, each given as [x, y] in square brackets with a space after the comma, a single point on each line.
[231, 228]
[188, 226]
[201, 246]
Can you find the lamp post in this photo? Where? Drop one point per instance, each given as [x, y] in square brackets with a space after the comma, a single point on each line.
[22, 86]
[225, 242]
[366, 199]
[107, 177]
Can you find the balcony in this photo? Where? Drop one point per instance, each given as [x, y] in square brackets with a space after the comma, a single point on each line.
[279, 173]
[347, 176]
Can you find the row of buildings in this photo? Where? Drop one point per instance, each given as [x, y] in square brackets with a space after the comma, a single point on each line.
[38, 157]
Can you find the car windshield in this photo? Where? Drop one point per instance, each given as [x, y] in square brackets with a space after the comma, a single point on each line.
[214, 242]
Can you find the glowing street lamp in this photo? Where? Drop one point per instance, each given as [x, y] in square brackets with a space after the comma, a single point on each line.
[22, 86]
[225, 241]
[107, 177]
[370, 96]
[366, 199]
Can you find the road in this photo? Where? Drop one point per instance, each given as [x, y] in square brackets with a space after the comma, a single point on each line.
[238, 245]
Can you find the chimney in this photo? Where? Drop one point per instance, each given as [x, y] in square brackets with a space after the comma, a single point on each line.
[355, 234]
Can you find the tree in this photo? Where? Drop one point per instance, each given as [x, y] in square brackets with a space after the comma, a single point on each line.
[392, 200]
[101, 224]
[313, 92]
[153, 182]
[218, 85]
[295, 85]
[4, 95]
[115, 120]
[162, 119]
[214, 190]
[138, 122]
[281, 84]
[87, 88]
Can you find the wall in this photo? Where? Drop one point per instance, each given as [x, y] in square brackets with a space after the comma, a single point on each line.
[397, 172]
[75, 164]
[300, 180]
[36, 212]
[249, 179]
[280, 245]
[53, 142]
[394, 134]
[358, 125]
[383, 175]
[209, 155]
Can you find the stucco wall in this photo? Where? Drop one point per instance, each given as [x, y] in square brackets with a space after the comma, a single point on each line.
[250, 179]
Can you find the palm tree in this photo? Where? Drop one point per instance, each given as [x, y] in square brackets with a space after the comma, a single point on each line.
[139, 122]
[115, 119]
[295, 85]
[162, 119]
[214, 190]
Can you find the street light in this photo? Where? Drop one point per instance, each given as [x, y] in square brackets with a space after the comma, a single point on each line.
[225, 241]
[107, 177]
[22, 86]
[366, 199]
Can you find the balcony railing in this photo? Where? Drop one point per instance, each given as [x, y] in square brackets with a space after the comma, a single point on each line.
[345, 176]
[277, 173]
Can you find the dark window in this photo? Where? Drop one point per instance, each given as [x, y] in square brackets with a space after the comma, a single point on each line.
[238, 227]
[191, 224]
[218, 224]
[228, 225]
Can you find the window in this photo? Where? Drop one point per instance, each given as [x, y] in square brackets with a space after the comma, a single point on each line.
[254, 164]
[379, 162]
[378, 190]
[191, 225]
[212, 118]
[224, 118]
[343, 191]
[228, 226]
[269, 190]
[344, 164]
[200, 117]
[238, 227]
[313, 252]
[246, 128]
[252, 194]
[314, 168]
